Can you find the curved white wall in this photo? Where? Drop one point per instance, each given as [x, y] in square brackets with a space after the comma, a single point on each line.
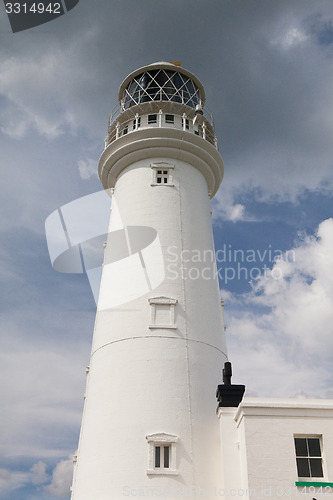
[142, 380]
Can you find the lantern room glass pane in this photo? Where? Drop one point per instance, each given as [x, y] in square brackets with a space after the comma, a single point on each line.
[157, 85]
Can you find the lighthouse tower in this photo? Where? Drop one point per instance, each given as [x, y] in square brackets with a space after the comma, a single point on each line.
[149, 424]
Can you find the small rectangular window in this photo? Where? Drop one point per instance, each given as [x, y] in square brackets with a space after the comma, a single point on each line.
[162, 457]
[125, 130]
[152, 119]
[162, 176]
[162, 454]
[308, 457]
[169, 118]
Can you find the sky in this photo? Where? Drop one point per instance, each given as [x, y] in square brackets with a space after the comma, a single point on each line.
[267, 69]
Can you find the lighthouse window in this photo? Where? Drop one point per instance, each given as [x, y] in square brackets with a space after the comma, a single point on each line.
[162, 174]
[162, 454]
[162, 312]
[125, 130]
[162, 457]
[169, 118]
[152, 119]
[157, 456]
[166, 456]
[308, 457]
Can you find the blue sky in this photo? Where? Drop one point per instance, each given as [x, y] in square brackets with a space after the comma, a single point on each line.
[267, 68]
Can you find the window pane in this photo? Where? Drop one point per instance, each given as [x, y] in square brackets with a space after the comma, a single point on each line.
[161, 78]
[165, 171]
[165, 180]
[157, 456]
[316, 467]
[144, 80]
[300, 447]
[152, 118]
[314, 447]
[166, 456]
[169, 118]
[303, 467]
[159, 171]
[159, 180]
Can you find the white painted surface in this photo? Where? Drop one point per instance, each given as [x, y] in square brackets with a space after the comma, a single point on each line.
[257, 447]
[142, 380]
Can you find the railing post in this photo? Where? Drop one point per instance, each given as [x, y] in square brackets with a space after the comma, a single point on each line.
[204, 130]
[184, 121]
[117, 130]
[160, 118]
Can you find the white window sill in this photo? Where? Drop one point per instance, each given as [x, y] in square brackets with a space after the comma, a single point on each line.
[162, 472]
[169, 327]
[160, 184]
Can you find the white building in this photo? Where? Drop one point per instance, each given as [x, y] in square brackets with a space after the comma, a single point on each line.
[149, 425]
[259, 456]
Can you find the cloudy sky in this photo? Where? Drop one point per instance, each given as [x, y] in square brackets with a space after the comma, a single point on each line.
[267, 68]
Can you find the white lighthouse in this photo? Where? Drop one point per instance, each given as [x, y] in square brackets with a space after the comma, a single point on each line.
[149, 425]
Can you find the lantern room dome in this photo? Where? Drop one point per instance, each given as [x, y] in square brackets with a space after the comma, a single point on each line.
[161, 81]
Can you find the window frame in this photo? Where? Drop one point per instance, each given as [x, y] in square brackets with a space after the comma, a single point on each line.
[162, 166]
[152, 118]
[162, 440]
[164, 301]
[309, 456]
[169, 118]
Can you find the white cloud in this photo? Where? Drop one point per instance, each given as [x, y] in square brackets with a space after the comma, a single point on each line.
[32, 414]
[291, 37]
[11, 480]
[87, 168]
[225, 208]
[39, 474]
[32, 102]
[61, 478]
[286, 333]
